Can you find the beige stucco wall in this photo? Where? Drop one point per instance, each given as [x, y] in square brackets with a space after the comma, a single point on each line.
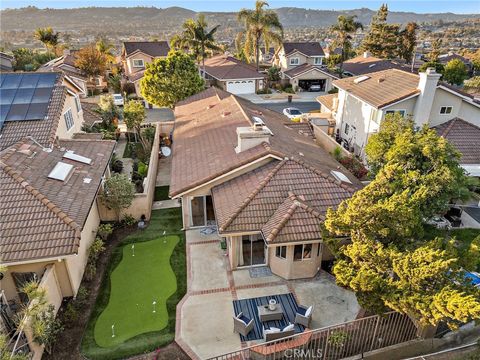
[289, 269]
[62, 131]
[130, 69]
[460, 108]
[313, 74]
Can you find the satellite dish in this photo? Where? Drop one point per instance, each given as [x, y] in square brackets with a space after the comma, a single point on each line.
[166, 151]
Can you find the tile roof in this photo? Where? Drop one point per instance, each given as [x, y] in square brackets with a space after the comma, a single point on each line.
[381, 88]
[65, 64]
[445, 58]
[306, 48]
[293, 221]
[90, 113]
[224, 67]
[205, 139]
[363, 65]
[43, 130]
[298, 70]
[138, 75]
[327, 100]
[238, 213]
[464, 136]
[152, 48]
[41, 217]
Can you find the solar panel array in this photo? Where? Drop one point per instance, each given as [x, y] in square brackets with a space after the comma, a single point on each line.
[25, 96]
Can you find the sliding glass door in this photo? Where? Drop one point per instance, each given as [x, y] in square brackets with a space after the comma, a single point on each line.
[202, 213]
[253, 250]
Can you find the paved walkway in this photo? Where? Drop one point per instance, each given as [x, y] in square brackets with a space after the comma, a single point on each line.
[163, 172]
[204, 326]
[127, 162]
[165, 204]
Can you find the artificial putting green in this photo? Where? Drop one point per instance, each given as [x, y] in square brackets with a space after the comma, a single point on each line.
[136, 282]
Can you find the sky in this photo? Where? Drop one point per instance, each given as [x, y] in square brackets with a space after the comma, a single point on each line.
[419, 6]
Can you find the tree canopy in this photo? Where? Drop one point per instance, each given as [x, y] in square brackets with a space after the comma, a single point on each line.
[118, 193]
[48, 37]
[382, 38]
[91, 61]
[134, 115]
[455, 72]
[169, 80]
[345, 26]
[389, 263]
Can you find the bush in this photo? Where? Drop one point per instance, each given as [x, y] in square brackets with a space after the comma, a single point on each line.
[94, 251]
[142, 170]
[117, 166]
[289, 90]
[264, 91]
[70, 316]
[354, 166]
[337, 153]
[129, 220]
[128, 88]
[273, 73]
[333, 91]
[104, 231]
[139, 186]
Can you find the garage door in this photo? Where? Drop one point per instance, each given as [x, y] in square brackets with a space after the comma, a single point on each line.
[241, 87]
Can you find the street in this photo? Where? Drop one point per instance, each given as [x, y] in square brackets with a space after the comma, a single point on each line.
[302, 106]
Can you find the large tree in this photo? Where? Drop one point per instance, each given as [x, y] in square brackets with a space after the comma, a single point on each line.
[260, 24]
[107, 49]
[91, 61]
[343, 30]
[382, 38]
[455, 72]
[389, 263]
[167, 81]
[197, 38]
[134, 115]
[48, 37]
[118, 193]
[407, 41]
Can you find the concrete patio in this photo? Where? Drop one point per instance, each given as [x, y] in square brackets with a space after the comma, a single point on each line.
[204, 317]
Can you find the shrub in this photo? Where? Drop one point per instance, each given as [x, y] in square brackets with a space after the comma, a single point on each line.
[117, 166]
[94, 251]
[333, 91]
[142, 169]
[139, 186]
[354, 166]
[273, 73]
[104, 230]
[289, 90]
[129, 220]
[337, 153]
[70, 316]
[264, 91]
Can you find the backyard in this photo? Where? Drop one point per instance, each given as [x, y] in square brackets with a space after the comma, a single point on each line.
[130, 286]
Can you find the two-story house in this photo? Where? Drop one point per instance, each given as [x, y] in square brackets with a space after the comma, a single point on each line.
[302, 65]
[135, 56]
[42, 105]
[364, 101]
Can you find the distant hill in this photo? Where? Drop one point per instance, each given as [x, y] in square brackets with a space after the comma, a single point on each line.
[125, 20]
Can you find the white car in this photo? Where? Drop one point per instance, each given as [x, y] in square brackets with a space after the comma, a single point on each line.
[118, 99]
[292, 113]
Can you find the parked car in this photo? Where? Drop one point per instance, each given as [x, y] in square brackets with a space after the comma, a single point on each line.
[118, 99]
[292, 113]
[315, 88]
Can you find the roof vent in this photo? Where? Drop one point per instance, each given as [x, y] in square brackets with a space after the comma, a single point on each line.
[380, 80]
[361, 79]
[61, 171]
[340, 176]
[75, 157]
[209, 106]
[226, 113]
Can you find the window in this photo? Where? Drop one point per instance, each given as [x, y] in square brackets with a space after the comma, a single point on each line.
[347, 128]
[302, 252]
[294, 61]
[318, 60]
[445, 110]
[77, 103]
[138, 63]
[281, 252]
[68, 119]
[401, 112]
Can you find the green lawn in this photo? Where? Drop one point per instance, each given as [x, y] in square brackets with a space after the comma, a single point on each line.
[135, 283]
[128, 282]
[161, 193]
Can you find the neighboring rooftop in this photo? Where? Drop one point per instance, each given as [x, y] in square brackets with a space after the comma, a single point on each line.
[152, 48]
[306, 48]
[464, 136]
[225, 67]
[91, 116]
[327, 100]
[301, 69]
[31, 105]
[445, 58]
[381, 88]
[41, 217]
[366, 63]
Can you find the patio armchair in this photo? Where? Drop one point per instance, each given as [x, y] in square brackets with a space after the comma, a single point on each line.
[303, 316]
[242, 324]
[275, 333]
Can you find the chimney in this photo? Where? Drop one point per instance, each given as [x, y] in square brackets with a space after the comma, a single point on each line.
[427, 86]
[366, 54]
[251, 136]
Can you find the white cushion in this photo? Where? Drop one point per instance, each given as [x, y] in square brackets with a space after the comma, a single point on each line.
[289, 327]
[272, 330]
[309, 311]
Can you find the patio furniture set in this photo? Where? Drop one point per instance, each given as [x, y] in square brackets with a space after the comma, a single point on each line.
[272, 312]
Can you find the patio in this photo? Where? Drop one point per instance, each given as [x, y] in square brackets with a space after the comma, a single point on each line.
[213, 288]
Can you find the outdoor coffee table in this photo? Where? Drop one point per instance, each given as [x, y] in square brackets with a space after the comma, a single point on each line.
[265, 314]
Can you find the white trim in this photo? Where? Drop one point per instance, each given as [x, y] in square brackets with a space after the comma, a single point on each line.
[227, 174]
[138, 66]
[70, 80]
[236, 79]
[65, 120]
[314, 68]
[298, 51]
[39, 260]
[292, 64]
[303, 251]
[394, 103]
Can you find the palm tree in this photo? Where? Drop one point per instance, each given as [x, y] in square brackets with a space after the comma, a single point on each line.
[345, 26]
[260, 24]
[106, 49]
[48, 37]
[197, 38]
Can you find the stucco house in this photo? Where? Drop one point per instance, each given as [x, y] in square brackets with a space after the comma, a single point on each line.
[366, 63]
[49, 219]
[302, 65]
[233, 75]
[42, 105]
[363, 101]
[236, 166]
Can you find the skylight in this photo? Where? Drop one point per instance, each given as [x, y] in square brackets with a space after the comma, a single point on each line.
[361, 79]
[340, 176]
[75, 157]
[61, 171]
